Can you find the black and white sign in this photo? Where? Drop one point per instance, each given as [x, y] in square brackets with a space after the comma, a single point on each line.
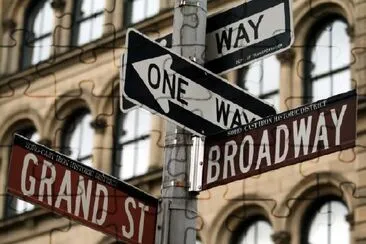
[184, 92]
[247, 33]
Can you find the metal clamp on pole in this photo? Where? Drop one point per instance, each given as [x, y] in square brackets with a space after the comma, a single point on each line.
[174, 183]
[196, 165]
[190, 3]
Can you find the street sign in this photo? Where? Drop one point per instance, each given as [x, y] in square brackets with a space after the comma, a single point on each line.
[284, 139]
[248, 32]
[62, 185]
[242, 35]
[184, 92]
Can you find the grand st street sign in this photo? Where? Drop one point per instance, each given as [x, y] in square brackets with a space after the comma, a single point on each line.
[45, 177]
[184, 92]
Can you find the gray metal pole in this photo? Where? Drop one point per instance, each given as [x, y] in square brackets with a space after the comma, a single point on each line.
[178, 207]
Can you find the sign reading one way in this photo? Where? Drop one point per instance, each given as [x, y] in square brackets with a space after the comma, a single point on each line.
[287, 138]
[60, 184]
[183, 91]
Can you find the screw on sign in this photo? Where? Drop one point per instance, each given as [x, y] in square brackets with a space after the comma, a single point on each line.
[60, 184]
[280, 140]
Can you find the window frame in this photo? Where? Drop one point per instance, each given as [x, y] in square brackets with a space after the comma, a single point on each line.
[77, 20]
[311, 212]
[242, 74]
[244, 226]
[73, 119]
[128, 10]
[118, 146]
[310, 43]
[31, 13]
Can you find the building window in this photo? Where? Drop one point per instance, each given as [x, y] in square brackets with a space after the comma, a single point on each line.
[77, 137]
[325, 222]
[327, 66]
[88, 21]
[132, 143]
[37, 39]
[256, 230]
[138, 10]
[262, 80]
[14, 205]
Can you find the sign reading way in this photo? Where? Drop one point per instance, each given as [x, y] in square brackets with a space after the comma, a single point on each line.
[60, 184]
[247, 33]
[184, 92]
[287, 138]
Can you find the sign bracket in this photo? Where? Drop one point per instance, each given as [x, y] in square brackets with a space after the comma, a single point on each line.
[196, 165]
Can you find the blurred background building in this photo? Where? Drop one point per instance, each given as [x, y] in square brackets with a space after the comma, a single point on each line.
[59, 85]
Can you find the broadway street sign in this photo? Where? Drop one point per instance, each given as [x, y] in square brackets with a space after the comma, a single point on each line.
[284, 139]
[62, 185]
[184, 92]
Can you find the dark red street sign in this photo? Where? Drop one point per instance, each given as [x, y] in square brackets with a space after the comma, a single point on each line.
[307, 132]
[66, 187]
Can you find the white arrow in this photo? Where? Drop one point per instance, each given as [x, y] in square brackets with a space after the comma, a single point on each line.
[166, 86]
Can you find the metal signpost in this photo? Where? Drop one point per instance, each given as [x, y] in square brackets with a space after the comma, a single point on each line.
[184, 92]
[242, 35]
[284, 139]
[62, 185]
[178, 207]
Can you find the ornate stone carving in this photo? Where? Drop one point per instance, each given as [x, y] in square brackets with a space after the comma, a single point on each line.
[45, 142]
[281, 237]
[9, 24]
[351, 32]
[286, 56]
[99, 124]
[350, 218]
[58, 4]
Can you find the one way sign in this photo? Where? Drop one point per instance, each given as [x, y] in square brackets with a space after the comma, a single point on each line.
[184, 92]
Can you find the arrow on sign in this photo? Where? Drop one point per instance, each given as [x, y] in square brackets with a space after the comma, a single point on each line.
[184, 92]
[166, 85]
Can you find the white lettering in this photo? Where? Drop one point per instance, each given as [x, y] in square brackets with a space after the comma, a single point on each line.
[281, 128]
[130, 233]
[302, 136]
[338, 122]
[213, 162]
[47, 182]
[229, 158]
[100, 189]
[321, 133]
[264, 151]
[247, 139]
[65, 192]
[83, 197]
[32, 180]
[142, 220]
